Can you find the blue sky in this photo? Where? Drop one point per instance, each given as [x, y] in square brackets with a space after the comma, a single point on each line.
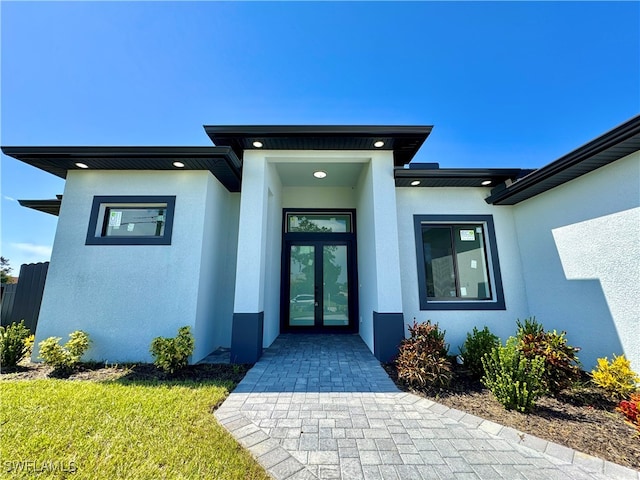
[505, 84]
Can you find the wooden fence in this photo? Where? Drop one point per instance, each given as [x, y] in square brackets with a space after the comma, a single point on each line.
[21, 301]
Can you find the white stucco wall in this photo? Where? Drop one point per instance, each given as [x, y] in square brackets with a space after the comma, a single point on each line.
[378, 248]
[460, 201]
[125, 295]
[367, 267]
[319, 197]
[580, 246]
[216, 285]
[259, 244]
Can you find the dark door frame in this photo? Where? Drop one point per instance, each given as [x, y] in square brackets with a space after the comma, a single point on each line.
[318, 239]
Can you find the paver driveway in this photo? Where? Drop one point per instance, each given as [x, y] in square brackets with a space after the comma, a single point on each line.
[321, 406]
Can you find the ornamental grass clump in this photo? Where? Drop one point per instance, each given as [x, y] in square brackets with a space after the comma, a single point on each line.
[422, 361]
[477, 344]
[561, 364]
[616, 377]
[172, 354]
[514, 379]
[13, 346]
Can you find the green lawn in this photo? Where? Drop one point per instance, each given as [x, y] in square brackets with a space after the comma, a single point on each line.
[114, 430]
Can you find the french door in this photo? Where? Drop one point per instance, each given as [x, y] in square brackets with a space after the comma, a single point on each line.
[319, 290]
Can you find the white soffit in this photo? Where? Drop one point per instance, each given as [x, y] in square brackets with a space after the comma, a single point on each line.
[298, 174]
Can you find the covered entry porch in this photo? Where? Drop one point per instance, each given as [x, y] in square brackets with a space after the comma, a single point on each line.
[358, 182]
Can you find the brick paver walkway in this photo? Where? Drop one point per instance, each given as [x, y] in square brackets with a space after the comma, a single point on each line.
[321, 406]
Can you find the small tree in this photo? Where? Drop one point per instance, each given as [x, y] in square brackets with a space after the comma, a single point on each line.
[5, 271]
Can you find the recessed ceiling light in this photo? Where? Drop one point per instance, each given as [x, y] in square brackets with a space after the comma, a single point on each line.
[379, 144]
[257, 144]
[178, 164]
[486, 182]
[82, 165]
[415, 183]
[320, 174]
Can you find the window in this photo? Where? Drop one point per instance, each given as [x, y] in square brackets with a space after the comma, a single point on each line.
[318, 222]
[458, 266]
[131, 220]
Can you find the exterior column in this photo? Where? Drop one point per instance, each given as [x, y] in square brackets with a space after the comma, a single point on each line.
[248, 311]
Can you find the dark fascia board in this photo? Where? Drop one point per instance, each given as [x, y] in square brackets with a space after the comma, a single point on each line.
[51, 207]
[221, 161]
[455, 177]
[405, 141]
[607, 148]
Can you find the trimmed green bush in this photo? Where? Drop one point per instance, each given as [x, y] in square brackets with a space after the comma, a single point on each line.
[477, 344]
[172, 354]
[64, 358]
[515, 380]
[616, 377]
[422, 360]
[561, 364]
[12, 344]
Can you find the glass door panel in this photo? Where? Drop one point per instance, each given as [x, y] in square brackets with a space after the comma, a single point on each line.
[302, 285]
[335, 286]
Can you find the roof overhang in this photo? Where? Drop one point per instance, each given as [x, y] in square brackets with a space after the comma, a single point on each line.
[51, 207]
[607, 148]
[432, 176]
[220, 161]
[404, 141]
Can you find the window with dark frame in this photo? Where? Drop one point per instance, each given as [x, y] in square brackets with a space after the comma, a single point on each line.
[134, 222]
[458, 266]
[131, 220]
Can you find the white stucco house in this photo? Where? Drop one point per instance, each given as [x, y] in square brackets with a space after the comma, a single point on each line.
[333, 229]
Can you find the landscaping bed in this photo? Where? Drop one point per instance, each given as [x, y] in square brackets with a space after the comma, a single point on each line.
[581, 417]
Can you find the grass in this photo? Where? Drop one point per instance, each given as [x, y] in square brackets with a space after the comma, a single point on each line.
[117, 430]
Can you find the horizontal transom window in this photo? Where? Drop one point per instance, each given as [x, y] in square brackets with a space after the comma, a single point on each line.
[319, 223]
[131, 220]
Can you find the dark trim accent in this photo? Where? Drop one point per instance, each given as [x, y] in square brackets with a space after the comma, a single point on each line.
[165, 239]
[607, 148]
[51, 207]
[498, 303]
[318, 239]
[388, 332]
[220, 161]
[455, 177]
[246, 337]
[405, 141]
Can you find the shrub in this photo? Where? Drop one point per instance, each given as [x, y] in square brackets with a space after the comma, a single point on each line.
[515, 380]
[172, 354]
[616, 378]
[475, 346]
[64, 358]
[422, 359]
[561, 365]
[28, 345]
[631, 410]
[12, 344]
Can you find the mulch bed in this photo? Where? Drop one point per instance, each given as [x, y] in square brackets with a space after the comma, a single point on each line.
[581, 418]
[143, 372]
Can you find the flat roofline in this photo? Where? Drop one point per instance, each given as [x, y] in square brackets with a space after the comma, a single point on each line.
[607, 148]
[58, 160]
[455, 177]
[403, 140]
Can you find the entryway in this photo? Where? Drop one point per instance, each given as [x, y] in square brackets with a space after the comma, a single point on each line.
[319, 286]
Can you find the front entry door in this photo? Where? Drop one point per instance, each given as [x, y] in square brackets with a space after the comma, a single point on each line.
[318, 283]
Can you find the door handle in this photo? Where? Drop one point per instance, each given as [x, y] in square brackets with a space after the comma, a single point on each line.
[316, 304]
